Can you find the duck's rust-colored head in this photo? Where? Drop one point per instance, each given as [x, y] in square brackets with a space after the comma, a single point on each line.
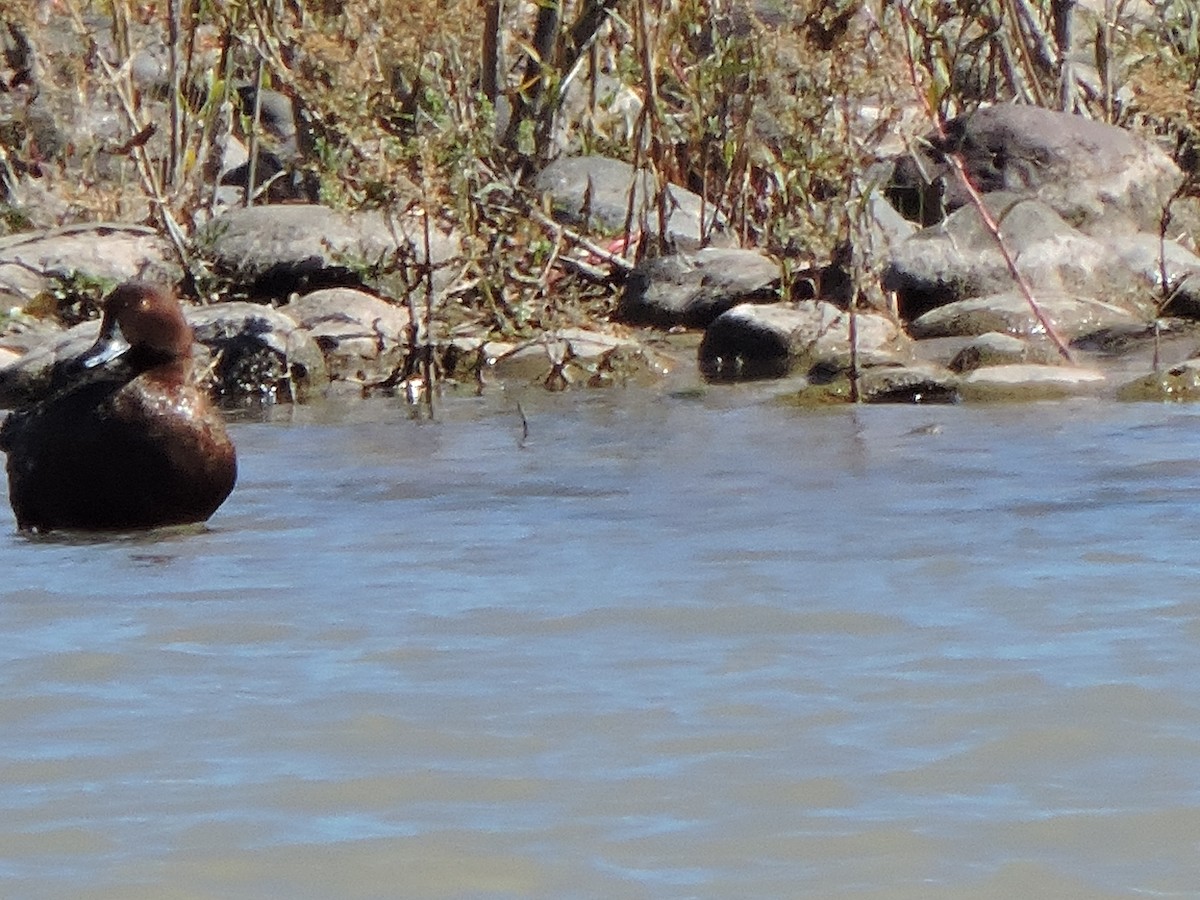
[143, 320]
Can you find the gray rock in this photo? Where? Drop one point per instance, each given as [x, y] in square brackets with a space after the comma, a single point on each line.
[278, 248]
[364, 338]
[1073, 317]
[276, 116]
[770, 341]
[1095, 175]
[960, 258]
[996, 349]
[595, 191]
[692, 289]
[1146, 255]
[30, 263]
[886, 227]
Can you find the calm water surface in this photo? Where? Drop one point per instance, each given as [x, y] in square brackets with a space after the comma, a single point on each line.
[691, 646]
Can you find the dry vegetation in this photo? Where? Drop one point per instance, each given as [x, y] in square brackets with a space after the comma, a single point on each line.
[775, 118]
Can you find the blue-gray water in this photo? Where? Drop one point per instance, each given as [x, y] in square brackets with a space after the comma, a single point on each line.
[695, 646]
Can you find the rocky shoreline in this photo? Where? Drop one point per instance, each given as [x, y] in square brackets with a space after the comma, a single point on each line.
[1071, 268]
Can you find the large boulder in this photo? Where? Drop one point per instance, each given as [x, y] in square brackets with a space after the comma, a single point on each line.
[960, 258]
[280, 248]
[1096, 176]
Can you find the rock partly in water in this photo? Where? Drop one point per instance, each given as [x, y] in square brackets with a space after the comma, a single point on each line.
[259, 353]
[594, 191]
[915, 384]
[576, 356]
[770, 341]
[1179, 383]
[1028, 382]
[363, 337]
[692, 289]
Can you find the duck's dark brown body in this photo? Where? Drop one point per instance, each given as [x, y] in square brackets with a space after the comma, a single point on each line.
[131, 445]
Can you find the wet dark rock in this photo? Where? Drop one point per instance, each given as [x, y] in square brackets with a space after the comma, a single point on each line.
[1096, 176]
[1179, 383]
[282, 248]
[913, 384]
[907, 384]
[595, 191]
[692, 289]
[1073, 317]
[770, 341]
[258, 353]
[364, 338]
